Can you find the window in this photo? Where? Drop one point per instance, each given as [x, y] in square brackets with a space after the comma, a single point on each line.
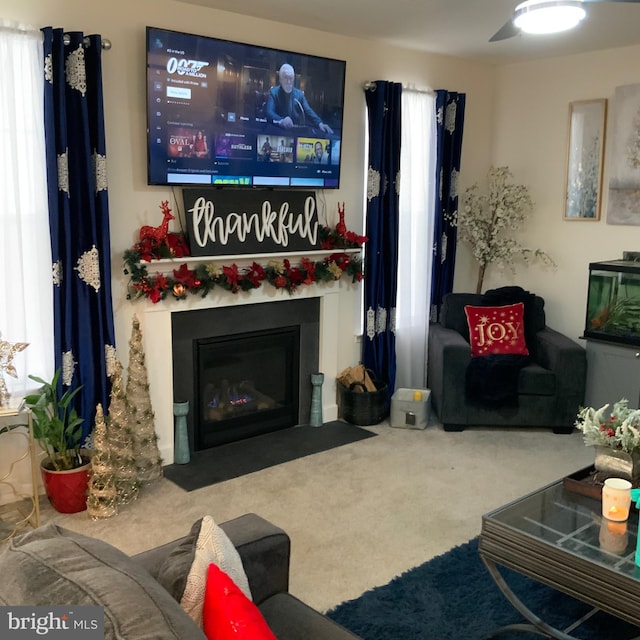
[417, 201]
[26, 304]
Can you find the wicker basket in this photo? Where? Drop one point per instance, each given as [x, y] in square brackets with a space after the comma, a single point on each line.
[363, 407]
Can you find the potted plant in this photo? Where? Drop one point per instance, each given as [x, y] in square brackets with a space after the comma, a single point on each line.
[56, 425]
[615, 435]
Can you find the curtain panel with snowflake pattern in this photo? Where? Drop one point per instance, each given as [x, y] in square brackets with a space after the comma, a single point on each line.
[449, 128]
[381, 255]
[78, 216]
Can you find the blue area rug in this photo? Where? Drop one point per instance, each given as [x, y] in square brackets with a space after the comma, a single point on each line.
[453, 597]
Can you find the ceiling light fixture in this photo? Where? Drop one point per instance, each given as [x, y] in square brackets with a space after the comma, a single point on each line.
[548, 16]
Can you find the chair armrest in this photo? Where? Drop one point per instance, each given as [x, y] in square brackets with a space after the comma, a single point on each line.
[568, 360]
[560, 354]
[264, 550]
[448, 358]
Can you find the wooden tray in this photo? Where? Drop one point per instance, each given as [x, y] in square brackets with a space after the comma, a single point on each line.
[586, 482]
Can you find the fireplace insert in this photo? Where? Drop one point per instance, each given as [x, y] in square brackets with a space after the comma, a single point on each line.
[247, 384]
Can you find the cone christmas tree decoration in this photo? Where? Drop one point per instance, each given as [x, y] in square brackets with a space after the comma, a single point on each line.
[145, 440]
[120, 438]
[102, 501]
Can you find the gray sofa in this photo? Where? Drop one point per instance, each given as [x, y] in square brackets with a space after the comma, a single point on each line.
[51, 566]
[265, 551]
[550, 388]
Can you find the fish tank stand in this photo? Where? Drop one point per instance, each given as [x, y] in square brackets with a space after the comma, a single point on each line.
[612, 332]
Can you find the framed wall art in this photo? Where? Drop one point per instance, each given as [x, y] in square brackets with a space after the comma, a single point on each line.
[623, 198]
[585, 159]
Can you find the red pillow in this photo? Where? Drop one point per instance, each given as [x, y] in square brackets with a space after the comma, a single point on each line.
[496, 330]
[228, 614]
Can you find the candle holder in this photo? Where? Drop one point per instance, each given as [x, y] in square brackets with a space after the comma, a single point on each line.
[616, 499]
[181, 453]
[315, 419]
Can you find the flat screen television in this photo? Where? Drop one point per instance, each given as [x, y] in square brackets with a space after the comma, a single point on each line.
[225, 113]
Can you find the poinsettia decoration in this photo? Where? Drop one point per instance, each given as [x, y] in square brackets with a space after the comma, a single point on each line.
[200, 280]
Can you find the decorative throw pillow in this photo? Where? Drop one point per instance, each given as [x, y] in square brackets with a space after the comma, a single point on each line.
[53, 566]
[173, 572]
[212, 545]
[228, 614]
[496, 330]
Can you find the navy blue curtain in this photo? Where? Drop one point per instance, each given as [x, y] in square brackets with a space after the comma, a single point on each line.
[450, 125]
[79, 216]
[381, 255]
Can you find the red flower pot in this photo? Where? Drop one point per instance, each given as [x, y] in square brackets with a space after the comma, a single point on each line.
[67, 490]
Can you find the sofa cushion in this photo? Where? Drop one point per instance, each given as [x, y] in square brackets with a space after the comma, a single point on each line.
[228, 614]
[496, 330]
[53, 566]
[184, 572]
[535, 380]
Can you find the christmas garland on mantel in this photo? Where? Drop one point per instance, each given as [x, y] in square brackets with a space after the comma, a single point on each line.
[203, 278]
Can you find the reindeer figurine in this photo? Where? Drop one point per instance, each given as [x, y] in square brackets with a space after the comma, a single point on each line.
[158, 234]
[341, 227]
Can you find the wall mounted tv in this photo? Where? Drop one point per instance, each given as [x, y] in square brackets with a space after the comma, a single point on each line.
[218, 115]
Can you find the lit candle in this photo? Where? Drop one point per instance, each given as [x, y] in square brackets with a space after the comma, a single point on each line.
[618, 513]
[616, 499]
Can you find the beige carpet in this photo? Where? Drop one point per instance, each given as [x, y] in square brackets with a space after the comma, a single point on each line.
[365, 512]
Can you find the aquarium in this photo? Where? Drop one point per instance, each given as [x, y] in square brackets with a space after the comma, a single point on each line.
[613, 302]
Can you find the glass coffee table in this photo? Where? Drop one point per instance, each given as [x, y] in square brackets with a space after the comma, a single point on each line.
[559, 538]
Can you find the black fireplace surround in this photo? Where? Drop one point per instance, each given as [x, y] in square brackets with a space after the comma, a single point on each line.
[266, 350]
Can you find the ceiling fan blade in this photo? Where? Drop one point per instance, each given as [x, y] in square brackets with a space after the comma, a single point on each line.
[507, 30]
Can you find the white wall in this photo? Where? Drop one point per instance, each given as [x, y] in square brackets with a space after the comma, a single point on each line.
[133, 203]
[531, 134]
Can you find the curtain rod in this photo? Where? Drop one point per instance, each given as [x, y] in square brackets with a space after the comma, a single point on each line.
[14, 27]
[17, 28]
[106, 43]
[371, 86]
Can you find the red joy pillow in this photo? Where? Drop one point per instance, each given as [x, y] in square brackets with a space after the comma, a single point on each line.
[228, 614]
[496, 330]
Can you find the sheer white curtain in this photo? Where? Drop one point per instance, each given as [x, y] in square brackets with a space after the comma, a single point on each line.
[417, 201]
[26, 302]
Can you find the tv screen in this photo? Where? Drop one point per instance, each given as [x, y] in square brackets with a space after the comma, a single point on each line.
[227, 113]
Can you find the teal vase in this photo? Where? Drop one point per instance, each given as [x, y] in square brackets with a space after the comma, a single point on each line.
[181, 453]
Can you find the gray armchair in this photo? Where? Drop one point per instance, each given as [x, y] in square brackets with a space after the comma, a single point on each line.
[550, 388]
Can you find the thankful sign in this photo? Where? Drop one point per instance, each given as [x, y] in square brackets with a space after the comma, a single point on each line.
[250, 222]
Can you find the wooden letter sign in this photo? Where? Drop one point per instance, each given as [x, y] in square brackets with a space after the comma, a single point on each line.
[250, 222]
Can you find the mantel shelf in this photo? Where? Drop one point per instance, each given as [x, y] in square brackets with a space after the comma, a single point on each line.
[249, 258]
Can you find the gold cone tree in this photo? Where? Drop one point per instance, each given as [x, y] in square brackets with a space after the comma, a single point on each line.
[102, 501]
[145, 440]
[120, 437]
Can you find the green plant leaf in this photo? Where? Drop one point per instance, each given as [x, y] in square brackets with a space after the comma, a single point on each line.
[56, 423]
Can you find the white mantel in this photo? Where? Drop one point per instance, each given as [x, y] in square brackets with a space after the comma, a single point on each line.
[156, 326]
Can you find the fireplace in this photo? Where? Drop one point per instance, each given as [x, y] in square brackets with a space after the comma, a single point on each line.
[158, 333]
[245, 370]
[246, 384]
